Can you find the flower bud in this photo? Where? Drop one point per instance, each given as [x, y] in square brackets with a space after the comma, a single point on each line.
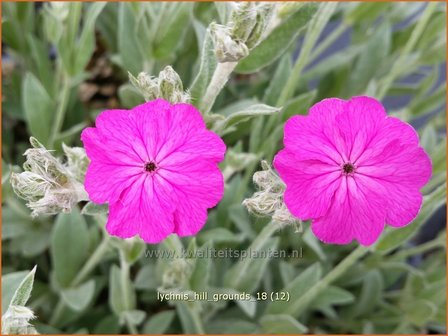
[16, 321]
[147, 85]
[170, 86]
[265, 13]
[56, 14]
[268, 201]
[77, 161]
[176, 274]
[167, 86]
[48, 185]
[227, 49]
[243, 20]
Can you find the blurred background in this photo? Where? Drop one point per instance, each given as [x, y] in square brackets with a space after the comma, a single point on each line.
[63, 63]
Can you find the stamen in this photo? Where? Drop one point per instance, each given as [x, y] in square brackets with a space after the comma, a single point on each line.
[150, 166]
[348, 168]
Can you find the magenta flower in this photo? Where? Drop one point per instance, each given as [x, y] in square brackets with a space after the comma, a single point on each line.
[351, 169]
[156, 166]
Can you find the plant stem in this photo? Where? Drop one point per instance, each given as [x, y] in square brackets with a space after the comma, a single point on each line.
[256, 245]
[334, 35]
[417, 250]
[331, 276]
[60, 113]
[94, 260]
[398, 65]
[124, 266]
[125, 279]
[197, 321]
[132, 329]
[219, 79]
[315, 28]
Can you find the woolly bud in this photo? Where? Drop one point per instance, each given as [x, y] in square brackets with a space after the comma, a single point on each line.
[264, 16]
[268, 201]
[77, 161]
[48, 185]
[16, 321]
[167, 86]
[56, 14]
[170, 86]
[227, 49]
[147, 85]
[243, 20]
[58, 9]
[177, 273]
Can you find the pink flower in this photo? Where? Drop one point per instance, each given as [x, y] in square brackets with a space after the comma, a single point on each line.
[156, 166]
[351, 169]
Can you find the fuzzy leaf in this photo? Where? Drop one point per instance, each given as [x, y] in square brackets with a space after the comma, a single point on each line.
[79, 298]
[38, 108]
[299, 286]
[118, 289]
[10, 283]
[206, 69]
[281, 324]
[23, 292]
[69, 246]
[159, 323]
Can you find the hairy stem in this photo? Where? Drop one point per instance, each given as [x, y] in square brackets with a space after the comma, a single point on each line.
[256, 245]
[60, 113]
[93, 261]
[331, 276]
[420, 249]
[125, 275]
[219, 79]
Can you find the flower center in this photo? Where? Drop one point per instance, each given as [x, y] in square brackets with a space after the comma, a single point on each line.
[150, 167]
[348, 168]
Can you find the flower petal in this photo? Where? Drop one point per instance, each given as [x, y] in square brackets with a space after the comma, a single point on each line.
[357, 212]
[105, 182]
[143, 209]
[402, 172]
[199, 185]
[165, 127]
[114, 140]
[360, 121]
[310, 184]
[316, 136]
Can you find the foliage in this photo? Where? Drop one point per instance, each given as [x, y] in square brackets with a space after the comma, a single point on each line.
[88, 282]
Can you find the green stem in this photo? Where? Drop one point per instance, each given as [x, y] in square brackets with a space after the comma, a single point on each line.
[219, 79]
[315, 28]
[57, 314]
[417, 250]
[93, 261]
[124, 266]
[125, 279]
[331, 276]
[60, 113]
[416, 34]
[132, 328]
[197, 321]
[334, 35]
[256, 245]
